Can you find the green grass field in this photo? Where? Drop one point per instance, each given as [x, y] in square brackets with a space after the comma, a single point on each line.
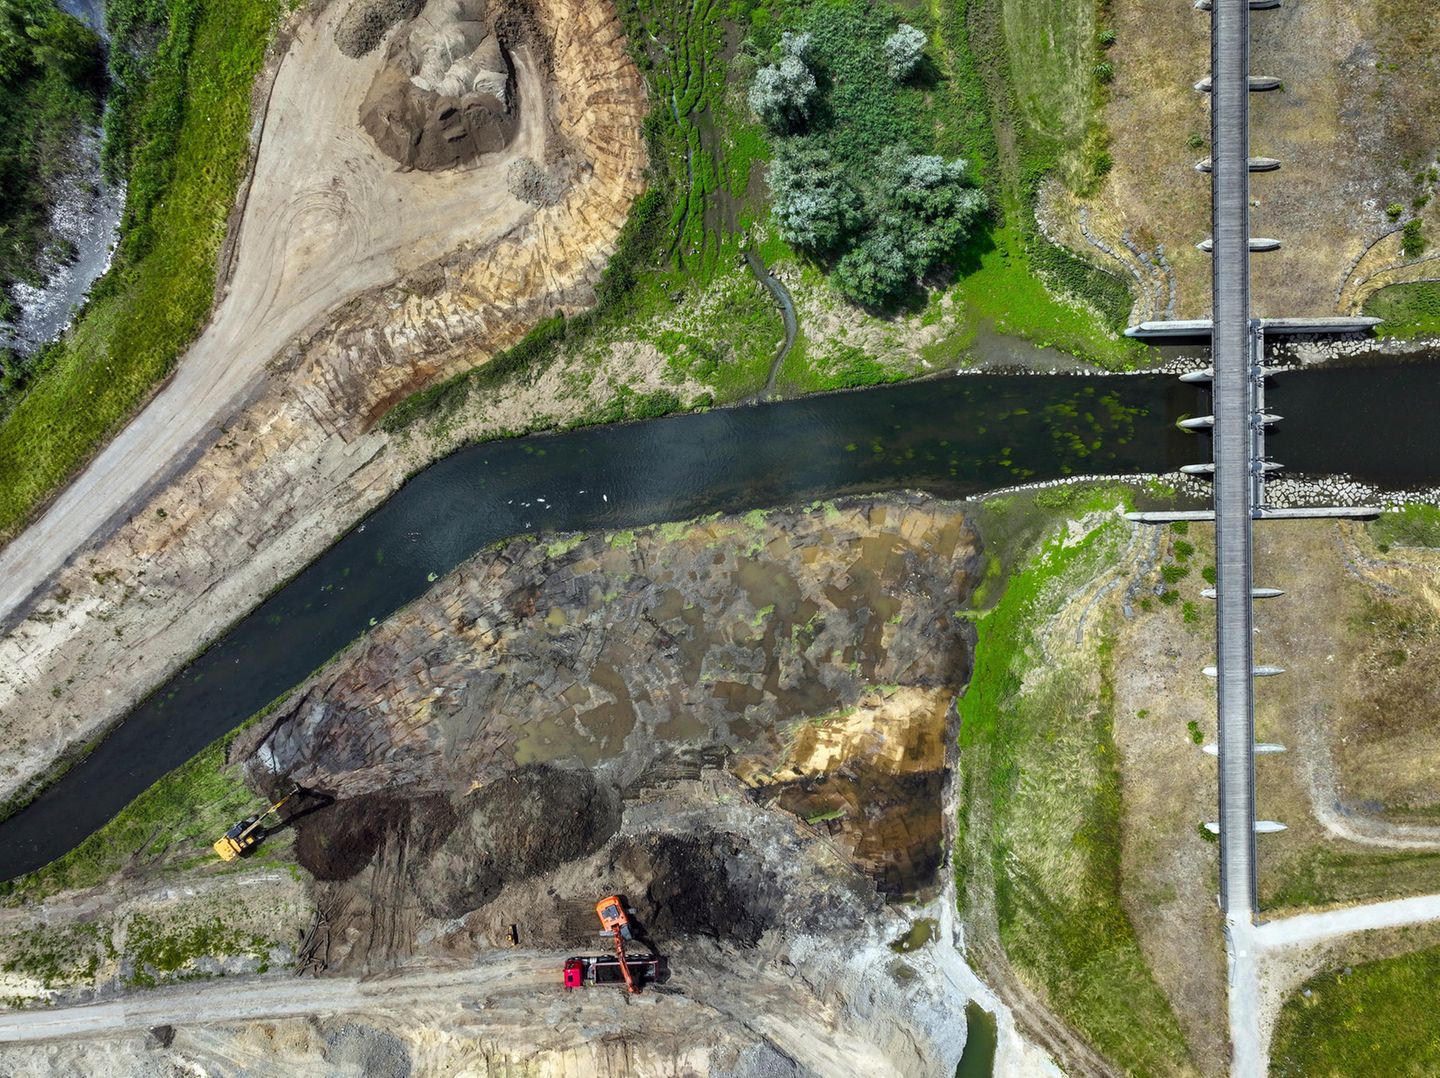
[1409, 310]
[1377, 1021]
[1041, 797]
[190, 156]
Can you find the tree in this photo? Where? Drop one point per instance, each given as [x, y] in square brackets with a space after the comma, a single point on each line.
[783, 94]
[876, 273]
[796, 45]
[904, 50]
[814, 207]
[927, 203]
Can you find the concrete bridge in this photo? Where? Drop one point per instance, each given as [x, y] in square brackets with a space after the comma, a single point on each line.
[1237, 378]
[1238, 472]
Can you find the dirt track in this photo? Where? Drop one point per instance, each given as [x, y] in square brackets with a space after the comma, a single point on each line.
[328, 216]
[240, 1000]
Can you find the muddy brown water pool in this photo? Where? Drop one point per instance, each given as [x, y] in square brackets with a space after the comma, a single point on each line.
[953, 437]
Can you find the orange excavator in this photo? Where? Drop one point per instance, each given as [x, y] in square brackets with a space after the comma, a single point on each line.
[615, 922]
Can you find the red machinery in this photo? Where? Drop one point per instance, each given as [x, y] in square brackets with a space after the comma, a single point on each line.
[606, 970]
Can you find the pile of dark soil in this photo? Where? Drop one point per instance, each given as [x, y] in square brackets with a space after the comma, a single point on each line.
[365, 24]
[520, 826]
[338, 841]
[708, 886]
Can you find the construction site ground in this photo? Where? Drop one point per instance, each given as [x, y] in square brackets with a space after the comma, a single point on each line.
[759, 759]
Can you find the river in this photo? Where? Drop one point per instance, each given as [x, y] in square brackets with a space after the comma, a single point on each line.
[952, 437]
[86, 215]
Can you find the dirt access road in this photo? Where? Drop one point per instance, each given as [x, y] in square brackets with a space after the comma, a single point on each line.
[327, 217]
[269, 997]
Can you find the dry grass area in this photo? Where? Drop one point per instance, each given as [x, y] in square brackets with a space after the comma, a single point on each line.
[1358, 712]
[1338, 631]
[1170, 869]
[1387, 757]
[1357, 126]
[1357, 721]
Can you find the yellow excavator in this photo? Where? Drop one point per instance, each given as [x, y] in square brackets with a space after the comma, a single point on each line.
[248, 833]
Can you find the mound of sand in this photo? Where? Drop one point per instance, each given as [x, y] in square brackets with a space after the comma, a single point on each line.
[366, 22]
[446, 92]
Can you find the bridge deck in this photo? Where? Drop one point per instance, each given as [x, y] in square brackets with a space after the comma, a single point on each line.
[1231, 344]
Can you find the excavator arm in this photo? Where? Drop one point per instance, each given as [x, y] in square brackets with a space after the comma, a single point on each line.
[615, 923]
[230, 846]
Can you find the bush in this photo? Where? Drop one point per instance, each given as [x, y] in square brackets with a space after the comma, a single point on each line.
[814, 208]
[1394, 210]
[921, 208]
[928, 201]
[876, 273]
[1104, 72]
[1412, 243]
[783, 95]
[52, 78]
[904, 49]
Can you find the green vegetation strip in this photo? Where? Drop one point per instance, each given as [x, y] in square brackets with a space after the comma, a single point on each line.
[177, 818]
[1409, 310]
[1041, 799]
[190, 147]
[1376, 1021]
[1410, 525]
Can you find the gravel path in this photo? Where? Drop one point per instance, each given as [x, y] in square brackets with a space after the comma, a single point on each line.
[236, 1000]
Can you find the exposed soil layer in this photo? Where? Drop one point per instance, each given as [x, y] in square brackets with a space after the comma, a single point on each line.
[632, 651]
[705, 886]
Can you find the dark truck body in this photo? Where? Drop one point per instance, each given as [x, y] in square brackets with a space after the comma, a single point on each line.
[605, 970]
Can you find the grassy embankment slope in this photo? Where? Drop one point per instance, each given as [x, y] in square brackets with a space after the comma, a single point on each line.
[1409, 310]
[676, 284]
[1038, 856]
[190, 135]
[172, 824]
[1038, 67]
[1374, 1020]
